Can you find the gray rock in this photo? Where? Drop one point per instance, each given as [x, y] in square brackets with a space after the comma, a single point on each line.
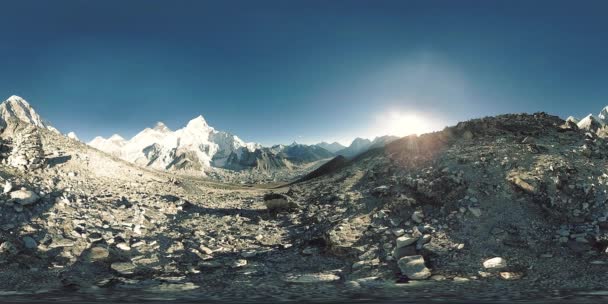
[8, 186]
[403, 241]
[413, 267]
[24, 197]
[124, 268]
[29, 243]
[276, 202]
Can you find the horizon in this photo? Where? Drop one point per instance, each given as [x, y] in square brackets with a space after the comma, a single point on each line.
[312, 72]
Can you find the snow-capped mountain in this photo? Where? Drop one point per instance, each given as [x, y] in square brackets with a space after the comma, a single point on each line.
[572, 119]
[113, 145]
[18, 109]
[193, 147]
[333, 147]
[73, 136]
[360, 145]
[590, 123]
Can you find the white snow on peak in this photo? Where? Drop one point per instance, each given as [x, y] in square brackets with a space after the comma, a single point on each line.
[589, 123]
[116, 138]
[572, 119]
[16, 107]
[197, 122]
[73, 136]
[112, 145]
[603, 116]
[160, 126]
[159, 147]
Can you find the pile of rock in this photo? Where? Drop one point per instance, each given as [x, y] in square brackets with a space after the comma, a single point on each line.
[27, 153]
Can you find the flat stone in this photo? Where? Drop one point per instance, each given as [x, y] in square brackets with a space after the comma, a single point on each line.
[312, 278]
[403, 241]
[413, 267]
[24, 197]
[123, 246]
[205, 250]
[510, 276]
[475, 211]
[124, 268]
[495, 263]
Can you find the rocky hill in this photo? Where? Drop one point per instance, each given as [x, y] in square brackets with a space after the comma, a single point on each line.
[498, 205]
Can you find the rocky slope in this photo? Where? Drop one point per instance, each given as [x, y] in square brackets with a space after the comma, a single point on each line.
[513, 205]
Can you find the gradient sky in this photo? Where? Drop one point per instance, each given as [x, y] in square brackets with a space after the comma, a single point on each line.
[279, 71]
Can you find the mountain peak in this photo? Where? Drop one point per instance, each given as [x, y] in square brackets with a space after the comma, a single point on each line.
[16, 107]
[73, 136]
[116, 137]
[160, 126]
[197, 122]
[15, 98]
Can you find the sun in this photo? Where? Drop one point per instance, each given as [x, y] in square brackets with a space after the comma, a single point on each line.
[402, 123]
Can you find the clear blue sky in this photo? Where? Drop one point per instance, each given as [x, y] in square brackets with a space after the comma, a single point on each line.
[278, 71]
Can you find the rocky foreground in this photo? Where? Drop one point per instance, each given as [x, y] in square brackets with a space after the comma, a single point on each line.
[507, 207]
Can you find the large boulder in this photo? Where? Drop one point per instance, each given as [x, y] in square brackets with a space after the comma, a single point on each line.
[276, 202]
[24, 197]
[413, 267]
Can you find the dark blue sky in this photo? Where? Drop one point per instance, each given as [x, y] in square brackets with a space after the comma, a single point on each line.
[278, 71]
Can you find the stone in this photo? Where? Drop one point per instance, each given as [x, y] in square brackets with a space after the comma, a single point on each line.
[417, 216]
[403, 241]
[404, 251]
[123, 246]
[98, 253]
[276, 202]
[413, 267]
[524, 182]
[398, 232]
[29, 243]
[24, 197]
[205, 250]
[475, 211]
[8, 186]
[239, 263]
[124, 268]
[311, 278]
[438, 277]
[510, 276]
[495, 263]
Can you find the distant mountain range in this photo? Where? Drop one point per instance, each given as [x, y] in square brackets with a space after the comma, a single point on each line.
[197, 146]
[333, 147]
[592, 122]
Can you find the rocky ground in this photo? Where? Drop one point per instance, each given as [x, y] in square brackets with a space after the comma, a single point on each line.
[504, 208]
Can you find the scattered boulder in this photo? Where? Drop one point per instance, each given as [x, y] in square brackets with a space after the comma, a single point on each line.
[403, 241]
[24, 197]
[124, 268]
[29, 242]
[413, 267]
[276, 202]
[495, 263]
[312, 278]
